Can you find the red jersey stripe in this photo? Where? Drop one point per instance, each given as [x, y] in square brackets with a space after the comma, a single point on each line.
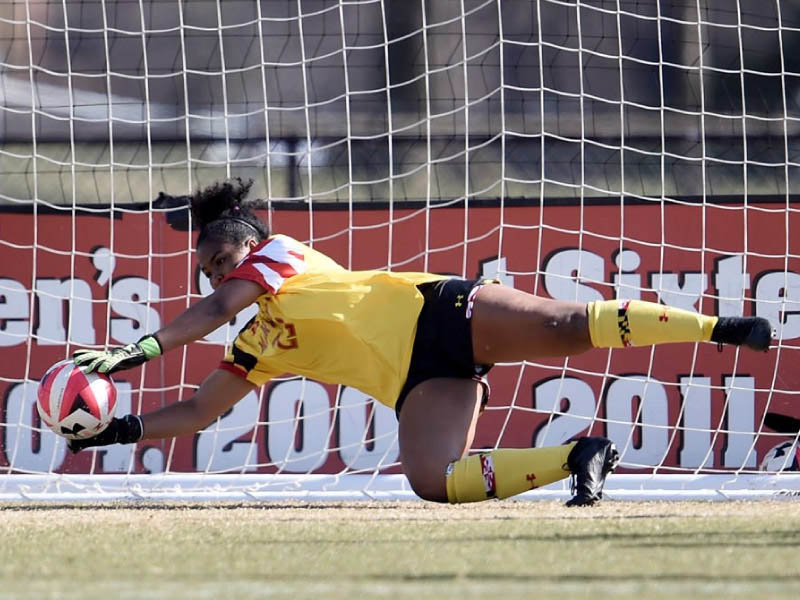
[270, 264]
[232, 368]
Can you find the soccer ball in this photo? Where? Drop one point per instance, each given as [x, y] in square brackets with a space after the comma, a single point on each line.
[783, 457]
[75, 404]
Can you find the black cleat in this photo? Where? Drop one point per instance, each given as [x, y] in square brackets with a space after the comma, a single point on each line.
[590, 461]
[751, 332]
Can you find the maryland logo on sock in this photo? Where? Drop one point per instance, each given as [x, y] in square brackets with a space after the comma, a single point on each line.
[489, 480]
[623, 323]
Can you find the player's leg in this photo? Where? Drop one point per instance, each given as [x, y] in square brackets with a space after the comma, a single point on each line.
[509, 325]
[437, 426]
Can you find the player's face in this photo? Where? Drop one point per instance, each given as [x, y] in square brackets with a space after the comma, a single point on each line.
[216, 259]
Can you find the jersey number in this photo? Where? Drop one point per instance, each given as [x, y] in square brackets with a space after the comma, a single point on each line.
[274, 333]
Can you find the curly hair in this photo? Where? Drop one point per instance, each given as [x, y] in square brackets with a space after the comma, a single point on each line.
[224, 212]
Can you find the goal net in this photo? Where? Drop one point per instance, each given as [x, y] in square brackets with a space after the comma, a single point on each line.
[578, 150]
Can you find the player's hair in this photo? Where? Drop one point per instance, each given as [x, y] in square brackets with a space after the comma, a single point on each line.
[225, 213]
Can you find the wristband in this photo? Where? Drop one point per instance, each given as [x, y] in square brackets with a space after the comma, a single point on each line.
[131, 429]
[150, 346]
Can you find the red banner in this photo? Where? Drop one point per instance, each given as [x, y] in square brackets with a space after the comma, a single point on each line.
[671, 407]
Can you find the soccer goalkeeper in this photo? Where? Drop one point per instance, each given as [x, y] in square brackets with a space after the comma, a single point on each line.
[417, 342]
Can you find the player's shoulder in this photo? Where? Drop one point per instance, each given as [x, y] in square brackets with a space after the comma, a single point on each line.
[279, 241]
[279, 248]
[316, 261]
[282, 238]
[271, 263]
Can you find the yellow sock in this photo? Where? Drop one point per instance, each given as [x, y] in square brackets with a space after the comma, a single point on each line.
[620, 323]
[505, 472]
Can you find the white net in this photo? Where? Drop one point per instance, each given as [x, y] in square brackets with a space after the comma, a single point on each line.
[578, 150]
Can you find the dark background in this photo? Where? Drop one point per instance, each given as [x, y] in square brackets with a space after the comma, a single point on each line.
[398, 100]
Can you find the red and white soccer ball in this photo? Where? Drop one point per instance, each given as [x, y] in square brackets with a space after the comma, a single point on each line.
[782, 457]
[75, 404]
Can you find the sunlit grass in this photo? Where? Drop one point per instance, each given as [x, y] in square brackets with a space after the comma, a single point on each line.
[401, 550]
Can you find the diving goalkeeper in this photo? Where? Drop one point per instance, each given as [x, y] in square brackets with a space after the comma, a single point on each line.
[417, 342]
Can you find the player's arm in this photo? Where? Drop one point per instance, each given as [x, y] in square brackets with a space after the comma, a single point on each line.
[196, 322]
[216, 395]
[211, 312]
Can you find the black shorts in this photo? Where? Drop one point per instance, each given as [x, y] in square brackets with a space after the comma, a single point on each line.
[443, 343]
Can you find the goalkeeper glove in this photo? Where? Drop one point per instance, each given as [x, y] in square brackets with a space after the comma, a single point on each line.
[126, 357]
[127, 430]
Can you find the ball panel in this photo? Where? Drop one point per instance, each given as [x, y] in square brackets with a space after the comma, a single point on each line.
[75, 385]
[45, 385]
[80, 424]
[51, 393]
[103, 394]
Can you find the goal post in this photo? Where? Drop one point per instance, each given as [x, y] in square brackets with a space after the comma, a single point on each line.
[580, 150]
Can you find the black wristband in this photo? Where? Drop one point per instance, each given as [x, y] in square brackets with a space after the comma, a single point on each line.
[129, 429]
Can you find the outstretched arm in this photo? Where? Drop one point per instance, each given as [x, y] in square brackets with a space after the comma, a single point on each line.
[218, 393]
[205, 316]
[194, 323]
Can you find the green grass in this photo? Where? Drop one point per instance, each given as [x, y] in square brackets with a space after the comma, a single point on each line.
[401, 550]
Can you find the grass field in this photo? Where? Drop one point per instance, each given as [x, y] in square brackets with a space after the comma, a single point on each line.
[401, 550]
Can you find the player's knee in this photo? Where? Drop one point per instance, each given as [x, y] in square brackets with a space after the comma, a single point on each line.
[428, 485]
[431, 493]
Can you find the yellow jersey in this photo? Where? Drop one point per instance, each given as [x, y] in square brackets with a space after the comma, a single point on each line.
[325, 322]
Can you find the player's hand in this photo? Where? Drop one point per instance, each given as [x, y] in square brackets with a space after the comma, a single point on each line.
[126, 430]
[116, 359]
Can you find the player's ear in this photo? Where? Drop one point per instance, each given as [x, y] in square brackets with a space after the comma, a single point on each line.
[251, 243]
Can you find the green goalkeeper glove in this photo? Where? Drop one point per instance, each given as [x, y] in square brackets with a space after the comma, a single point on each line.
[116, 359]
[127, 430]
